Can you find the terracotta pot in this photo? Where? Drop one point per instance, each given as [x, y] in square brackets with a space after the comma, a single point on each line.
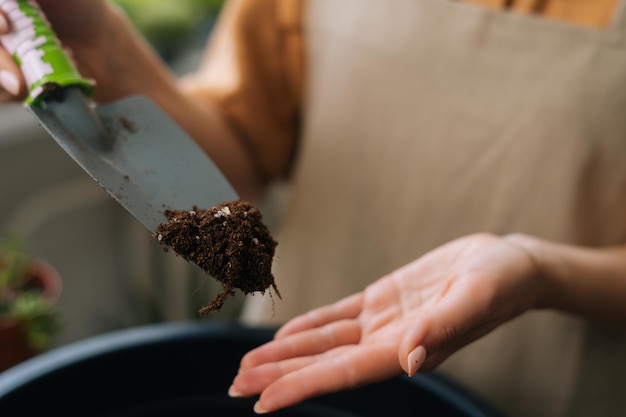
[14, 345]
[47, 278]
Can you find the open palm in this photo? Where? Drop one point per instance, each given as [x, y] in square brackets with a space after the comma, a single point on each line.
[437, 304]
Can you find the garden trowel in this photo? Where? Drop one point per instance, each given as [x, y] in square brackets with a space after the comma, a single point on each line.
[131, 147]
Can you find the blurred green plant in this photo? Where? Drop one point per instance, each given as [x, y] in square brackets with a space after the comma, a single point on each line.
[13, 262]
[167, 24]
[22, 301]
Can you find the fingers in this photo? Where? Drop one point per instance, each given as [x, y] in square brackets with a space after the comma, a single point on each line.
[282, 385]
[12, 86]
[4, 24]
[252, 381]
[347, 308]
[305, 343]
[314, 354]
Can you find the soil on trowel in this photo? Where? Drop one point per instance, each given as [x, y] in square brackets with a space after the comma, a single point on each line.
[228, 241]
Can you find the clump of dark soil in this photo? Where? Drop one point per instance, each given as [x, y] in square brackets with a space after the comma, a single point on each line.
[228, 241]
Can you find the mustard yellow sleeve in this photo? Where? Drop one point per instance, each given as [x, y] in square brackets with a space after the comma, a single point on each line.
[595, 13]
[252, 73]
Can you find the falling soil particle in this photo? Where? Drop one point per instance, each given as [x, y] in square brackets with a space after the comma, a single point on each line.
[228, 241]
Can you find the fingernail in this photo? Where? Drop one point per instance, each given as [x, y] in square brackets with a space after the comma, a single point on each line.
[416, 359]
[9, 82]
[232, 392]
[4, 25]
[257, 409]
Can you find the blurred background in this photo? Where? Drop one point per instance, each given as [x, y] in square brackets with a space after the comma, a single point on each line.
[177, 29]
[115, 274]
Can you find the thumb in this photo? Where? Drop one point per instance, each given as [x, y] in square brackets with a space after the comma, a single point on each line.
[433, 338]
[412, 350]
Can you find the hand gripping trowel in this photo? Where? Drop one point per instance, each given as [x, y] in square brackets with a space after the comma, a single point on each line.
[131, 147]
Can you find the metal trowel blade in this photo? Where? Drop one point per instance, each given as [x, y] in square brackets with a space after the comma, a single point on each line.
[141, 157]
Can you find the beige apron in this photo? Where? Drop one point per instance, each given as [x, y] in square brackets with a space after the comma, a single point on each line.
[430, 119]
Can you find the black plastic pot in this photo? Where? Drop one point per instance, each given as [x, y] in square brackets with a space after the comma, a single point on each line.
[184, 370]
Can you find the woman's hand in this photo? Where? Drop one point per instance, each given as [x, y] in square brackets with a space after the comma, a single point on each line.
[411, 319]
[97, 37]
[107, 48]
[81, 27]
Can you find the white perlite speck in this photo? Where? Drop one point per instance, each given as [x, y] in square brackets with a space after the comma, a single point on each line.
[225, 211]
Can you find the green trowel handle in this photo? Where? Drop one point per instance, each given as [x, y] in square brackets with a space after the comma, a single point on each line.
[38, 52]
